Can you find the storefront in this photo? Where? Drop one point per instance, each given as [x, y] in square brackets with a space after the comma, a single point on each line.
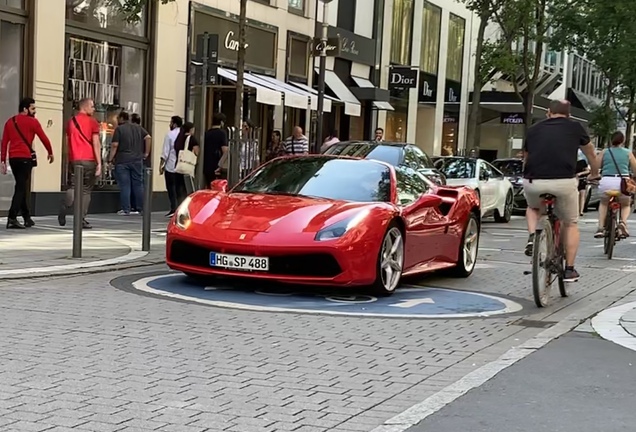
[13, 65]
[400, 57]
[453, 87]
[106, 60]
[260, 64]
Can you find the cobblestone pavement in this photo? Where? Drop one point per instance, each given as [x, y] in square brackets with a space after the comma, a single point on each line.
[77, 354]
[49, 245]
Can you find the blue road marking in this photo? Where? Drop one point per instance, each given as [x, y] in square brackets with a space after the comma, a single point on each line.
[407, 302]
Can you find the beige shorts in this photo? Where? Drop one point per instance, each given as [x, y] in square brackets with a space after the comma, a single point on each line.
[564, 190]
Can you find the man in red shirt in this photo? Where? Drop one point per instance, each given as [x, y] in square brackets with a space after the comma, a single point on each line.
[17, 142]
[84, 148]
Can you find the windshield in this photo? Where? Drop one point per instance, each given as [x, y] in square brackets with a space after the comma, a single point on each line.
[455, 168]
[392, 155]
[509, 168]
[321, 177]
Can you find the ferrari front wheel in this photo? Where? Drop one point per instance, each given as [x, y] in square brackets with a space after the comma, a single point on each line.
[468, 247]
[390, 262]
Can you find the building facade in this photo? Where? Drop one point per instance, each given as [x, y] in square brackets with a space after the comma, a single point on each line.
[60, 51]
[431, 41]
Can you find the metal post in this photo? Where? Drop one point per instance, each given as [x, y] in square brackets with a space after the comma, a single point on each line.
[321, 75]
[78, 210]
[200, 181]
[147, 209]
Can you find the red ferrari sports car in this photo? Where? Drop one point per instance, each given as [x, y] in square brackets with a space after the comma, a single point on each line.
[326, 220]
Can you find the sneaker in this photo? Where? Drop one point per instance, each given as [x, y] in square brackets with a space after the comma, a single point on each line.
[135, 212]
[571, 275]
[123, 213]
[86, 225]
[529, 245]
[61, 217]
[29, 222]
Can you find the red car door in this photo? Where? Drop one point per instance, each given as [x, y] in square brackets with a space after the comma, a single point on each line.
[425, 225]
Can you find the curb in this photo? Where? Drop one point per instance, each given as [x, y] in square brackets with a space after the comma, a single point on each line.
[608, 325]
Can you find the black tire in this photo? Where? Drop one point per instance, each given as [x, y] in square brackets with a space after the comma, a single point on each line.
[541, 285]
[508, 207]
[562, 285]
[378, 287]
[610, 237]
[462, 270]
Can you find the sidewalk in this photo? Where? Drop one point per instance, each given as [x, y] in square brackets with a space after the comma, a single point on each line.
[47, 249]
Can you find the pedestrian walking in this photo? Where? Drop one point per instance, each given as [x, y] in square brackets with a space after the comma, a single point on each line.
[17, 146]
[84, 149]
[129, 148]
[185, 140]
[276, 147]
[297, 143]
[215, 145]
[175, 184]
[136, 120]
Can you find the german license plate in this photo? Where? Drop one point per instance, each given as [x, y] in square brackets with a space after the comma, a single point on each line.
[239, 262]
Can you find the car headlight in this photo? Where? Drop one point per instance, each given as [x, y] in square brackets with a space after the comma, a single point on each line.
[340, 228]
[182, 217]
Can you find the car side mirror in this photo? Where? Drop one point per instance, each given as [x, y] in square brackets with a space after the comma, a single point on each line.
[429, 201]
[219, 185]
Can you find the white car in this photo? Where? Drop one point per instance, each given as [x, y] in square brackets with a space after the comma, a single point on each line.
[495, 190]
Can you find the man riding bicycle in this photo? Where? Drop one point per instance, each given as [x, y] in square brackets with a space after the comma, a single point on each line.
[550, 158]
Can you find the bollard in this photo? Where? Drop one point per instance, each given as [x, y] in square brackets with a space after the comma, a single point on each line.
[78, 210]
[147, 211]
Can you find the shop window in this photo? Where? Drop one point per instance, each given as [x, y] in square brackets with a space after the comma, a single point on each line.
[431, 30]
[298, 58]
[11, 49]
[18, 4]
[104, 14]
[449, 138]
[455, 59]
[396, 121]
[113, 76]
[402, 32]
[297, 5]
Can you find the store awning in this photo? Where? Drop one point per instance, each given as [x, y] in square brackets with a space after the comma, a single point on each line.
[314, 97]
[264, 95]
[368, 91]
[351, 104]
[291, 98]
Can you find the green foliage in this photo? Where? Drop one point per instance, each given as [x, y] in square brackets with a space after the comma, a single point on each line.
[131, 9]
[603, 122]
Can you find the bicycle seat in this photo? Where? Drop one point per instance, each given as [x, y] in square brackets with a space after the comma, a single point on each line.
[613, 193]
[547, 196]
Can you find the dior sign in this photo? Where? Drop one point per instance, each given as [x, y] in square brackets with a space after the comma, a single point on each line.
[401, 78]
[428, 88]
[453, 92]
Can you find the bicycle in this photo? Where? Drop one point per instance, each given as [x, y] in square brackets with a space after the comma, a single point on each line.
[612, 220]
[548, 256]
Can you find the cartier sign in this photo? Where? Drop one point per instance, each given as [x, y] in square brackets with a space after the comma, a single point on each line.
[260, 40]
[401, 78]
[332, 47]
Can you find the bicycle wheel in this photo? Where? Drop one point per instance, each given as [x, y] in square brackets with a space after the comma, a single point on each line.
[560, 261]
[541, 278]
[610, 236]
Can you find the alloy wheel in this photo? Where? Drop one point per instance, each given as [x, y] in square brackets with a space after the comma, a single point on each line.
[471, 241]
[392, 259]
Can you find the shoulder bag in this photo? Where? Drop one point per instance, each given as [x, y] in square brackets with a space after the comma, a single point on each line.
[628, 186]
[34, 156]
[186, 160]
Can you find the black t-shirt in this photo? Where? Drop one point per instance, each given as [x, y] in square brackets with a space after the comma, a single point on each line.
[552, 147]
[215, 138]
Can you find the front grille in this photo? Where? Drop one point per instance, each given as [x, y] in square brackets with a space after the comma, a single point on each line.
[309, 265]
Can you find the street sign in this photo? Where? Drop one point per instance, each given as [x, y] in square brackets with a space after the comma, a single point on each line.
[406, 302]
[333, 47]
[209, 50]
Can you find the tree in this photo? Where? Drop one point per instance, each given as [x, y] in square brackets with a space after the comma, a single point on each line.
[519, 50]
[131, 9]
[484, 10]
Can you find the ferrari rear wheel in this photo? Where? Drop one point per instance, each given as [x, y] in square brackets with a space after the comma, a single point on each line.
[468, 247]
[390, 261]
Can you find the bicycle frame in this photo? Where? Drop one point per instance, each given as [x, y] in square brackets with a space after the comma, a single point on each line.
[555, 223]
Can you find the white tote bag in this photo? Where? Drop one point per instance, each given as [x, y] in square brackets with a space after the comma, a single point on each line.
[186, 160]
